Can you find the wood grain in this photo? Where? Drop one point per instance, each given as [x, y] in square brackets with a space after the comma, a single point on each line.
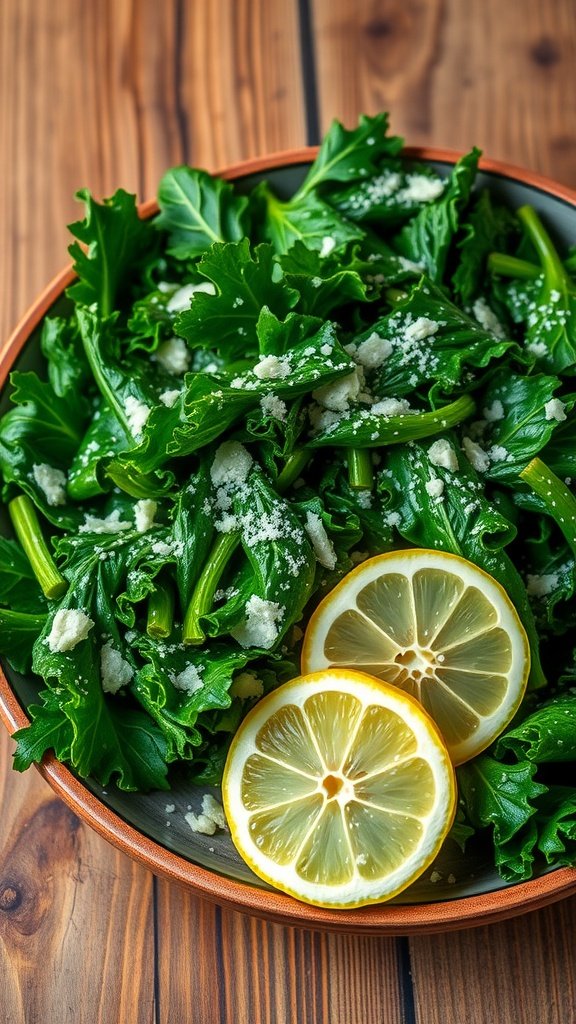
[76, 917]
[216, 965]
[106, 94]
[496, 75]
[521, 971]
[103, 95]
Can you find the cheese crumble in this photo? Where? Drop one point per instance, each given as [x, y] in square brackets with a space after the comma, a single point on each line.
[109, 524]
[261, 626]
[174, 356]
[246, 685]
[476, 455]
[272, 368]
[137, 414]
[541, 586]
[210, 818]
[69, 627]
[321, 543]
[144, 512]
[554, 410]
[189, 681]
[232, 464]
[182, 298]
[52, 482]
[115, 671]
[442, 454]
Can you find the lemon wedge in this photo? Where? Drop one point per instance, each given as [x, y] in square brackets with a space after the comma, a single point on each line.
[437, 627]
[338, 789]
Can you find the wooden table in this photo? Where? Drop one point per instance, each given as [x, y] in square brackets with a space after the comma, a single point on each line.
[103, 94]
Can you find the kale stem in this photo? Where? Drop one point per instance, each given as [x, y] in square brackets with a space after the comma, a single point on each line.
[510, 266]
[559, 500]
[360, 471]
[203, 594]
[292, 469]
[160, 611]
[222, 550]
[554, 272]
[29, 533]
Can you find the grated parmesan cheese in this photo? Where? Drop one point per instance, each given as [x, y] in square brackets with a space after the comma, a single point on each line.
[137, 414]
[272, 368]
[182, 298]
[211, 817]
[476, 455]
[52, 482]
[494, 412]
[109, 524]
[487, 318]
[261, 626]
[246, 685]
[442, 454]
[144, 512]
[321, 543]
[554, 410]
[115, 671]
[435, 488]
[540, 586]
[328, 245]
[392, 407]
[232, 464]
[420, 188]
[169, 398]
[373, 352]
[422, 328]
[188, 681]
[338, 395]
[69, 627]
[173, 355]
[271, 405]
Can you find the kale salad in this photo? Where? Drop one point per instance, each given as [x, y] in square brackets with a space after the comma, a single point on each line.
[246, 395]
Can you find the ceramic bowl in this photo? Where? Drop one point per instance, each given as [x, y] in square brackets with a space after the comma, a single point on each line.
[141, 826]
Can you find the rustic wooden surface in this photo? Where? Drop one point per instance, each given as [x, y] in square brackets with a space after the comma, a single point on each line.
[103, 94]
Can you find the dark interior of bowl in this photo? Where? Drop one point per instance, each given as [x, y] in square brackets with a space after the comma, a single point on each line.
[161, 816]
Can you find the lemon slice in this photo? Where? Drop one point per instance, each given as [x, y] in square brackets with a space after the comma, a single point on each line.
[338, 789]
[437, 627]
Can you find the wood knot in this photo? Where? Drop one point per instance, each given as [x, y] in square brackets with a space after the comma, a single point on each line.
[545, 52]
[10, 896]
[379, 28]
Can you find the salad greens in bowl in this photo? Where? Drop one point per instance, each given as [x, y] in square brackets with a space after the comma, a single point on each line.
[228, 402]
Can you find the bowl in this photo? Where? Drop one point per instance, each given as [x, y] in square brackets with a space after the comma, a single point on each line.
[145, 826]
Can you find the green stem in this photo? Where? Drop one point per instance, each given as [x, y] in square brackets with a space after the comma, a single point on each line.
[386, 430]
[559, 500]
[21, 622]
[160, 611]
[222, 550]
[203, 594]
[360, 470]
[29, 533]
[510, 266]
[293, 468]
[554, 272]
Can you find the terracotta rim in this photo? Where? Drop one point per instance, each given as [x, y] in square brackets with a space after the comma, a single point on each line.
[382, 919]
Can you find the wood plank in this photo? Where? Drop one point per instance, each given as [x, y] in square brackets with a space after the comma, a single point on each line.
[76, 917]
[218, 965]
[497, 75]
[520, 971]
[102, 96]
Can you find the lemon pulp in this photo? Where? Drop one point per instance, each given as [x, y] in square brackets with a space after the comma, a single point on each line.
[338, 789]
[437, 627]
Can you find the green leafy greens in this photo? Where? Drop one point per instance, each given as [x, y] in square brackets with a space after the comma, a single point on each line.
[238, 405]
